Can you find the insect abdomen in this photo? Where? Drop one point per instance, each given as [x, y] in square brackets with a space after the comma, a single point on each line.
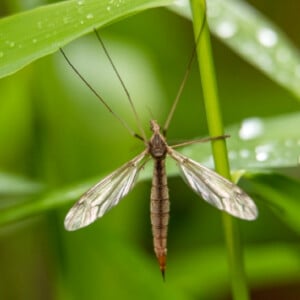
[160, 207]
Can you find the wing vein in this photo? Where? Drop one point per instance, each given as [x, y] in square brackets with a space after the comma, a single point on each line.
[215, 189]
[105, 194]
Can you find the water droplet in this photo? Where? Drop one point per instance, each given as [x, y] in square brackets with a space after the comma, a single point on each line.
[226, 29]
[12, 44]
[118, 3]
[34, 41]
[1, 54]
[267, 37]
[81, 22]
[251, 128]
[108, 8]
[90, 16]
[80, 2]
[263, 152]
[262, 156]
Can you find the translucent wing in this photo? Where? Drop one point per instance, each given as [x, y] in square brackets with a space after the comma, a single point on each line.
[104, 195]
[215, 189]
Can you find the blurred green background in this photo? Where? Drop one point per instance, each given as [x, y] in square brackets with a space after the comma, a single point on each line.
[54, 133]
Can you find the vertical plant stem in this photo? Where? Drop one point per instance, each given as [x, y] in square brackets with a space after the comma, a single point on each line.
[215, 126]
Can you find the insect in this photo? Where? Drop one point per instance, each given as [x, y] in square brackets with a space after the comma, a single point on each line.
[107, 193]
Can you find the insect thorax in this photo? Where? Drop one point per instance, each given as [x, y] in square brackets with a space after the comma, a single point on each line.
[157, 146]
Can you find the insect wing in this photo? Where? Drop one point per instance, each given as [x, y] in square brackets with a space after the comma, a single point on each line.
[216, 189]
[104, 195]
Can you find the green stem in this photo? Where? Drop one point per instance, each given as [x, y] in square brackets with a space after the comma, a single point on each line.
[215, 126]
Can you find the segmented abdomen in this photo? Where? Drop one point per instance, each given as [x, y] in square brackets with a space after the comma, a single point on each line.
[160, 207]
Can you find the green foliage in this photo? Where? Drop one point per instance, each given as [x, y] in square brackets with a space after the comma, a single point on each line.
[57, 140]
[256, 39]
[35, 33]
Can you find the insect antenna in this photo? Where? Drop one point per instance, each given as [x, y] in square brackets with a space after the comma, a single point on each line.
[184, 80]
[138, 121]
[122, 121]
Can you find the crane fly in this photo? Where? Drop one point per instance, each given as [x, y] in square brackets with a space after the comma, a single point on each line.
[107, 193]
[214, 189]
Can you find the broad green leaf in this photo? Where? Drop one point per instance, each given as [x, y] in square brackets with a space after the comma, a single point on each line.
[257, 143]
[44, 203]
[239, 25]
[15, 185]
[257, 39]
[280, 194]
[27, 36]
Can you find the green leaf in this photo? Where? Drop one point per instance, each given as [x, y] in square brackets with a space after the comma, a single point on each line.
[280, 194]
[257, 39]
[16, 185]
[42, 202]
[33, 34]
[27, 36]
[256, 144]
